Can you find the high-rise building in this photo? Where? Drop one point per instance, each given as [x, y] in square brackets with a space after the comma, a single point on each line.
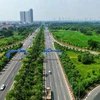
[26, 16]
[22, 16]
[31, 15]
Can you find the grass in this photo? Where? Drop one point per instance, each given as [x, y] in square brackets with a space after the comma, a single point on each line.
[75, 37]
[84, 68]
[1, 54]
[10, 40]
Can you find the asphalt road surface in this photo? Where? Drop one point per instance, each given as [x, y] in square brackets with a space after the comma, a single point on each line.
[94, 94]
[11, 69]
[55, 80]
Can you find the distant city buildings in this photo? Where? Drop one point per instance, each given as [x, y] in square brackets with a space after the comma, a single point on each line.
[22, 16]
[26, 16]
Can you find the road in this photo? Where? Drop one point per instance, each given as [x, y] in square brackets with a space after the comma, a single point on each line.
[94, 94]
[55, 80]
[11, 69]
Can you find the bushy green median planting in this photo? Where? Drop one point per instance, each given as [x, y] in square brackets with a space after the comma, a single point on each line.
[28, 83]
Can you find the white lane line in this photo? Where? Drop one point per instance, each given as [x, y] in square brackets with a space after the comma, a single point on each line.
[50, 81]
[64, 97]
[58, 97]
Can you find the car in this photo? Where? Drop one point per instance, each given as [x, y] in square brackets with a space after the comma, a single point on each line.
[20, 58]
[49, 72]
[2, 87]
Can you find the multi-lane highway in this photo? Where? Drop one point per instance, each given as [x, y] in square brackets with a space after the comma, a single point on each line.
[11, 69]
[56, 79]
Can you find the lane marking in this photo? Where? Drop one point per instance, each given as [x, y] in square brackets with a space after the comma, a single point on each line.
[58, 97]
[64, 97]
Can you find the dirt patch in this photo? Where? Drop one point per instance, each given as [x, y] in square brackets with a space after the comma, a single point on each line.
[72, 57]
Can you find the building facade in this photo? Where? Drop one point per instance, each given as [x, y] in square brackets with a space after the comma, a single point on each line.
[22, 16]
[26, 16]
[31, 15]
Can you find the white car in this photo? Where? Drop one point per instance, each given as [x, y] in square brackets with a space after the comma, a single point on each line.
[49, 72]
[2, 87]
[20, 58]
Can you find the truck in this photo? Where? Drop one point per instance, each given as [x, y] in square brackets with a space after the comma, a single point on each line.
[48, 90]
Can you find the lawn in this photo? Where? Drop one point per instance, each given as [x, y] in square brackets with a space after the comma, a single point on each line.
[83, 68]
[75, 37]
[10, 40]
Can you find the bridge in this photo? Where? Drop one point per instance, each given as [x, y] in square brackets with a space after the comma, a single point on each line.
[13, 51]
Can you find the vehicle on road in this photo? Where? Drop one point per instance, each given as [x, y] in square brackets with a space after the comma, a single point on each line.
[20, 58]
[50, 72]
[2, 87]
[48, 92]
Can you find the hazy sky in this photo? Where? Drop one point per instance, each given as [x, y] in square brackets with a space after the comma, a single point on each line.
[51, 9]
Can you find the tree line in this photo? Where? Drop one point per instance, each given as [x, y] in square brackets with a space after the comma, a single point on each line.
[4, 60]
[93, 45]
[13, 35]
[83, 27]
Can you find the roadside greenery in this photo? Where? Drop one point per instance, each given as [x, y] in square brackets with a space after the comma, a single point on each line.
[86, 58]
[13, 35]
[28, 83]
[78, 34]
[81, 76]
[94, 45]
[3, 59]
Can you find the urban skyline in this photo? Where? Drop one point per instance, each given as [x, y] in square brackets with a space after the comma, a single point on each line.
[51, 9]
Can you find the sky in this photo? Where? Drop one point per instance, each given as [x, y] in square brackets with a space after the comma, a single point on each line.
[51, 9]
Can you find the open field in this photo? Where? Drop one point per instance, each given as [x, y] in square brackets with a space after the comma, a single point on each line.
[75, 37]
[8, 41]
[84, 68]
